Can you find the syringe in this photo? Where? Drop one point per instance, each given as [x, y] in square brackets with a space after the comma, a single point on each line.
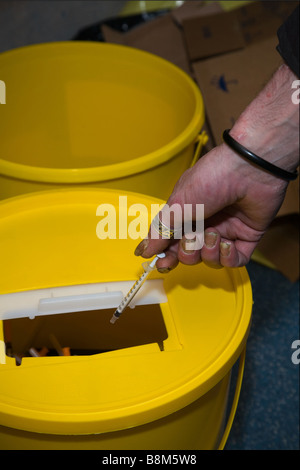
[148, 267]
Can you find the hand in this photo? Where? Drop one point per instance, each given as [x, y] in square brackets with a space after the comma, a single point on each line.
[236, 213]
[240, 200]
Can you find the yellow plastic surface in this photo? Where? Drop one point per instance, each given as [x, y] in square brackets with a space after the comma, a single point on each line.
[135, 7]
[80, 112]
[138, 7]
[197, 426]
[49, 239]
[229, 5]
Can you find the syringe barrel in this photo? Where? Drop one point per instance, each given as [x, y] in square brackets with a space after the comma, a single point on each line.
[133, 291]
[148, 267]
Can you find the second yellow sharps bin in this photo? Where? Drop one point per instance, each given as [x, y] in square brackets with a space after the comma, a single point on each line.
[98, 114]
[156, 379]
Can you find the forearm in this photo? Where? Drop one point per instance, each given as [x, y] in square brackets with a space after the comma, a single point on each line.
[269, 126]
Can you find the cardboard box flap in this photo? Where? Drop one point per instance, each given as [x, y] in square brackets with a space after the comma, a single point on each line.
[211, 35]
[160, 36]
[230, 82]
[260, 20]
[191, 9]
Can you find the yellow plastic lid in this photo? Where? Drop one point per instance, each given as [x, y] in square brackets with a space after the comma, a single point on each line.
[49, 240]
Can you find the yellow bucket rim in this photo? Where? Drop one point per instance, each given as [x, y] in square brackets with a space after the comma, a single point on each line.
[117, 170]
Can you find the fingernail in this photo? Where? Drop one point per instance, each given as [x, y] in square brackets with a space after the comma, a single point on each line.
[188, 245]
[141, 247]
[210, 239]
[225, 248]
[163, 270]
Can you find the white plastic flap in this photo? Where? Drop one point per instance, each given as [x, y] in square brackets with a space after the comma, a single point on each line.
[78, 303]
[77, 298]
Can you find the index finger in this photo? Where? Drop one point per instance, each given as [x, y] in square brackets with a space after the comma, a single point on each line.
[166, 225]
[159, 237]
[150, 247]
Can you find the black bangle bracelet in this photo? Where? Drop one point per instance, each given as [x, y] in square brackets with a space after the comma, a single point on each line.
[240, 149]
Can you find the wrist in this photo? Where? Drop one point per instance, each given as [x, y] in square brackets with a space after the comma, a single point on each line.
[257, 160]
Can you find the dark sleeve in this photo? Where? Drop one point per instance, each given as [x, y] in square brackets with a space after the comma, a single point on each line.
[288, 35]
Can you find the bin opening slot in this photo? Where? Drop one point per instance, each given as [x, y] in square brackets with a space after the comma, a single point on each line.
[84, 333]
[77, 298]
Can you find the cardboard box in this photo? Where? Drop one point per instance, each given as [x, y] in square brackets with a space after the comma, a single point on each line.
[191, 9]
[231, 81]
[208, 34]
[161, 36]
[211, 35]
[260, 20]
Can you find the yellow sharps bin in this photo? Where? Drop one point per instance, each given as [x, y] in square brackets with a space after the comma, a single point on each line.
[86, 113]
[156, 379]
